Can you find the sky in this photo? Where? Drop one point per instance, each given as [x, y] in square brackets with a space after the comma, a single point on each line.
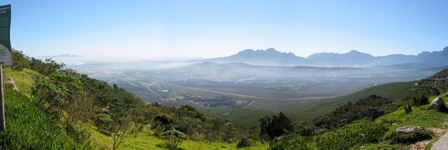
[144, 29]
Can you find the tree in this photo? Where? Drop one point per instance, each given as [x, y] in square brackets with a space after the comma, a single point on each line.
[19, 60]
[174, 138]
[265, 124]
[304, 128]
[46, 67]
[161, 123]
[192, 112]
[58, 93]
[274, 126]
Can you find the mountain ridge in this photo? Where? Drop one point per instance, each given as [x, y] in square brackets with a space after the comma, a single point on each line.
[353, 58]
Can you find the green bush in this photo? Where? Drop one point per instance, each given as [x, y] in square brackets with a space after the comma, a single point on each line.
[407, 138]
[407, 109]
[174, 138]
[344, 138]
[352, 135]
[419, 99]
[28, 127]
[19, 60]
[301, 143]
[304, 128]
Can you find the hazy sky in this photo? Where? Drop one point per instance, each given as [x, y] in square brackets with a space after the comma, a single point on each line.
[140, 29]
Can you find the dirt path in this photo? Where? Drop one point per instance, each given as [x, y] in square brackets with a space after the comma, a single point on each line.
[441, 144]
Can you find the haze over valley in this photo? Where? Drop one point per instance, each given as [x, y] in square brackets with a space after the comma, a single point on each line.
[266, 80]
[229, 74]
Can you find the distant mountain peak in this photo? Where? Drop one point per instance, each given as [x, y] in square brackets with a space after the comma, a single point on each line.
[353, 51]
[353, 58]
[356, 52]
[271, 50]
[268, 56]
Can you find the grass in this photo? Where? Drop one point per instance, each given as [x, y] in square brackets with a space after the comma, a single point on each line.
[420, 116]
[443, 96]
[350, 136]
[145, 140]
[28, 127]
[311, 110]
[23, 79]
[374, 135]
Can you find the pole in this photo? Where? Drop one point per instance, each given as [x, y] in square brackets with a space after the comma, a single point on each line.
[2, 108]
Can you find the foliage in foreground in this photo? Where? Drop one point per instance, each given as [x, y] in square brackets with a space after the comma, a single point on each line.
[174, 138]
[274, 126]
[407, 138]
[28, 127]
[349, 113]
[78, 100]
[344, 138]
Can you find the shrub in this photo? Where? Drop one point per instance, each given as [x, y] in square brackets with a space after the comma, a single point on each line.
[174, 138]
[243, 143]
[274, 126]
[419, 99]
[19, 60]
[28, 127]
[81, 135]
[352, 135]
[301, 143]
[343, 138]
[407, 109]
[407, 138]
[304, 128]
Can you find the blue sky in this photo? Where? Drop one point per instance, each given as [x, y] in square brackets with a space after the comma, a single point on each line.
[137, 29]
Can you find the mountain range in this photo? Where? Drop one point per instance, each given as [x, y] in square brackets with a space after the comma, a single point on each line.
[354, 58]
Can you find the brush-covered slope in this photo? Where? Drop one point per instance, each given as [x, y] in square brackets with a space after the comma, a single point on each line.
[28, 127]
[309, 111]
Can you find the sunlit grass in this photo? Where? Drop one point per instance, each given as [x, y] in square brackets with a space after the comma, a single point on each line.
[23, 79]
[145, 140]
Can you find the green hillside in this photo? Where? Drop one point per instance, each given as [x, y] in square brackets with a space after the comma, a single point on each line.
[380, 133]
[28, 127]
[304, 111]
[58, 108]
[311, 110]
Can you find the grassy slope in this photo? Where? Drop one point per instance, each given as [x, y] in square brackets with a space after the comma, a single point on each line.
[28, 127]
[24, 80]
[309, 111]
[420, 116]
[145, 140]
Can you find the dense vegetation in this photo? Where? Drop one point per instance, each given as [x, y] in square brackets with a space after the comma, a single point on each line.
[373, 131]
[367, 108]
[78, 100]
[28, 127]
